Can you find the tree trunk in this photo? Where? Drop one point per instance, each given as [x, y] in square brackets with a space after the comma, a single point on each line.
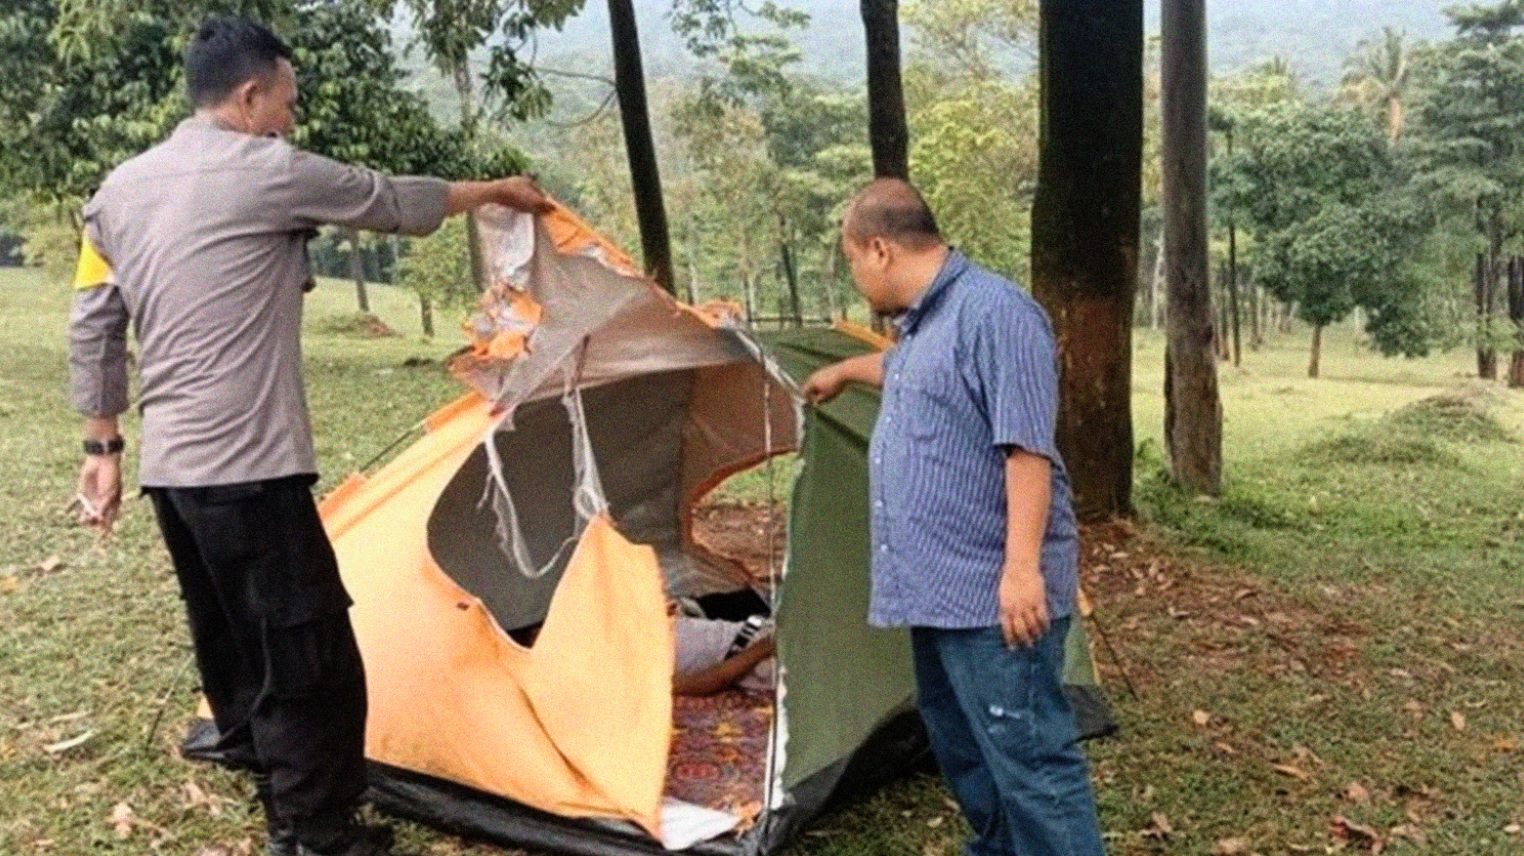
[887, 132]
[426, 316]
[1486, 357]
[1156, 287]
[357, 269]
[1085, 234]
[1516, 315]
[1233, 314]
[1317, 351]
[1256, 329]
[1220, 329]
[792, 278]
[645, 175]
[1194, 411]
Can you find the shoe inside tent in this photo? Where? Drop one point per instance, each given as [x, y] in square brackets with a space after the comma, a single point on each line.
[559, 495]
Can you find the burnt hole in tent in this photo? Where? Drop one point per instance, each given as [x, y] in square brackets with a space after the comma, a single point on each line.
[634, 428]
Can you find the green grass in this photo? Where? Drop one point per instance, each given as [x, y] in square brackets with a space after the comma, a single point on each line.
[1347, 617]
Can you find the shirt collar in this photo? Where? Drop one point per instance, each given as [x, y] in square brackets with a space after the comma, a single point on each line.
[202, 122]
[952, 267]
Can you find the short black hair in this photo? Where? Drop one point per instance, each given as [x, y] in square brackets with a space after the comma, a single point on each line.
[891, 208]
[224, 53]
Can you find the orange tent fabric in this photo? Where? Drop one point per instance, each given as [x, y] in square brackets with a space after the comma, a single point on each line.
[578, 725]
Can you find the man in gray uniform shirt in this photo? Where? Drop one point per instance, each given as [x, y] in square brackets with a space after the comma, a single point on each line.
[206, 235]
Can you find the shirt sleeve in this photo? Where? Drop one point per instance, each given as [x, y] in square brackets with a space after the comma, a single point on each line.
[97, 336]
[1014, 363]
[322, 190]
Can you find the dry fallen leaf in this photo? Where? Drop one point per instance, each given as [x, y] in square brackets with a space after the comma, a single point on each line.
[935, 822]
[1230, 847]
[10, 584]
[1292, 771]
[1458, 720]
[1201, 717]
[66, 745]
[1162, 824]
[1357, 793]
[1513, 829]
[50, 564]
[1358, 834]
[121, 820]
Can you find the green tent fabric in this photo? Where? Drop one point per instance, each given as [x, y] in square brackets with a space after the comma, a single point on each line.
[832, 706]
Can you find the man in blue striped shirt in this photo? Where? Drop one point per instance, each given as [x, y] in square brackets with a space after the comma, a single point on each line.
[975, 546]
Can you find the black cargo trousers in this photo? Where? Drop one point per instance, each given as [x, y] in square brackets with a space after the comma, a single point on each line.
[270, 625]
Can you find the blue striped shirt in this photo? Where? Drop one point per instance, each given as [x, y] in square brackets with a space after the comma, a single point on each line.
[974, 374]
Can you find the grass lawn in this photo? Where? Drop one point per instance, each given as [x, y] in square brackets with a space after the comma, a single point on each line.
[1330, 657]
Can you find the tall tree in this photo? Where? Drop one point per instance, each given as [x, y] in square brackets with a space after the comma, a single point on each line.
[975, 123]
[1333, 220]
[1192, 408]
[888, 134]
[1378, 75]
[1085, 233]
[1469, 144]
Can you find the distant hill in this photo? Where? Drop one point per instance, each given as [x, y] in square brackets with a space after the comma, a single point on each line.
[1314, 35]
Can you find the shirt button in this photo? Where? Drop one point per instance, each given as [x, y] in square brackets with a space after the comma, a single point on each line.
[878, 503]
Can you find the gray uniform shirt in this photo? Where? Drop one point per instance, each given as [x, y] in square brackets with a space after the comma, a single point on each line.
[206, 234]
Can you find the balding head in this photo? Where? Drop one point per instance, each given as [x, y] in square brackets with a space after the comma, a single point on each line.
[892, 209]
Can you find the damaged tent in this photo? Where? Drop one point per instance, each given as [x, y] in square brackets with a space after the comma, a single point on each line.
[558, 496]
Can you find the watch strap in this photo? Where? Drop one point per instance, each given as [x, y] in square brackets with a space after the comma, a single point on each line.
[104, 447]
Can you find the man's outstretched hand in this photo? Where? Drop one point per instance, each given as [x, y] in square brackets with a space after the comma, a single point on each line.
[522, 193]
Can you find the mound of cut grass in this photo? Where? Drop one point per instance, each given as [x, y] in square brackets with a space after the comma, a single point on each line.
[1378, 447]
[358, 325]
[1462, 417]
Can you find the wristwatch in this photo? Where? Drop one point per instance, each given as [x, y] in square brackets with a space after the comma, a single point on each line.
[104, 447]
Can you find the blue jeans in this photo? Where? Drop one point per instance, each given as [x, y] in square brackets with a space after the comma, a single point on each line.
[1004, 737]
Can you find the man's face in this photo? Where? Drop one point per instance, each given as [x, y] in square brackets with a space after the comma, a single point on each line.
[869, 263]
[270, 107]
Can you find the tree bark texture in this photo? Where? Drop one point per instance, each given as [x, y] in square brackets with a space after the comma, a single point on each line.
[645, 175]
[1315, 357]
[1085, 234]
[1194, 420]
[888, 135]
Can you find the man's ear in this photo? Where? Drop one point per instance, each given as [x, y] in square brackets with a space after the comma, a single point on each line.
[246, 92]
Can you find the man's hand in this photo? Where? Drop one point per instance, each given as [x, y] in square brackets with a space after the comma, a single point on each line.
[828, 382]
[1023, 604]
[99, 496]
[825, 384]
[519, 192]
[522, 193]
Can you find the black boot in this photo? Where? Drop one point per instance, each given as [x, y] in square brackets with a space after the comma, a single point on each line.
[357, 840]
[280, 836]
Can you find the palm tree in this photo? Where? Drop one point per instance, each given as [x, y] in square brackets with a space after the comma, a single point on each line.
[1378, 75]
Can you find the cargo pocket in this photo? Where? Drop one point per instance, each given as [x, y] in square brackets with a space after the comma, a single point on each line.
[312, 658]
[303, 585]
